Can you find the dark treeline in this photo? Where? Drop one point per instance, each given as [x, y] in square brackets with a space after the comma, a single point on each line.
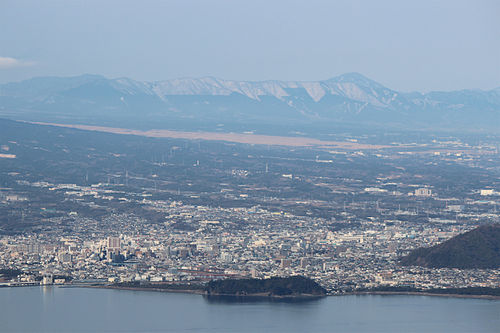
[275, 286]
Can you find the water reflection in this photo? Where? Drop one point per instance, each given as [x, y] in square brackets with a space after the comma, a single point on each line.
[259, 299]
[56, 309]
[47, 295]
[47, 290]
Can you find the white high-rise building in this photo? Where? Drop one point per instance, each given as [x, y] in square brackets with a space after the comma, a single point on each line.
[114, 243]
[423, 192]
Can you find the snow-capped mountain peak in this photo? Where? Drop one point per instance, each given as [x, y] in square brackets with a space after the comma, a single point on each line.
[350, 97]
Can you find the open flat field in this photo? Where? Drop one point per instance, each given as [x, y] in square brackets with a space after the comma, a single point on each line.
[230, 137]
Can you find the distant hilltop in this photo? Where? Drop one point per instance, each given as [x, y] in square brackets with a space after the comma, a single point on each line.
[189, 103]
[478, 248]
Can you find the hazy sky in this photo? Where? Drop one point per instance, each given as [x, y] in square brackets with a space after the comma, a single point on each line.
[405, 45]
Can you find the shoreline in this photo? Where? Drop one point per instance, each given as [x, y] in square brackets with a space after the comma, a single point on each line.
[179, 291]
[200, 292]
[265, 295]
[417, 293]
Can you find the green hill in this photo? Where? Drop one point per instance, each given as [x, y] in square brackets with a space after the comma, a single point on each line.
[478, 248]
[275, 286]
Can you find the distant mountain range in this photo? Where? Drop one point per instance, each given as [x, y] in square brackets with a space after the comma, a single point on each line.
[478, 248]
[350, 99]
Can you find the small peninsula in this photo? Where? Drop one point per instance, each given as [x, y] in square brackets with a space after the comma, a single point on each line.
[293, 286]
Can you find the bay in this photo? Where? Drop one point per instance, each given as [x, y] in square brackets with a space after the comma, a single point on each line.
[60, 309]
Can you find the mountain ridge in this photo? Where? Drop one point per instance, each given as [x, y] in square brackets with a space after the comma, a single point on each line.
[347, 78]
[351, 98]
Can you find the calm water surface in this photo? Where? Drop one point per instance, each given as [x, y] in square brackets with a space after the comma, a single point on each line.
[57, 309]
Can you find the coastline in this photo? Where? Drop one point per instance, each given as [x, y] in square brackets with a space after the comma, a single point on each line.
[165, 290]
[417, 293]
[265, 295]
[200, 292]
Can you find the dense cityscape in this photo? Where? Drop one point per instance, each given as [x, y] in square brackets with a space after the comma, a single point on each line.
[250, 166]
[244, 215]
